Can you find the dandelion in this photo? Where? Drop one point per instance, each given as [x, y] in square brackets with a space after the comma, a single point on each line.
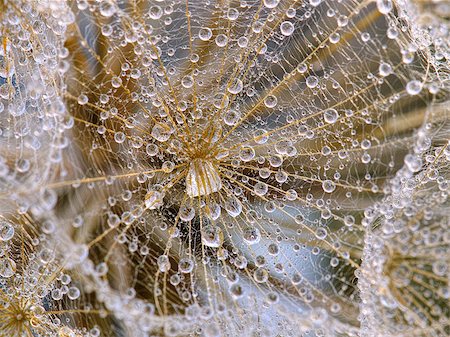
[404, 280]
[223, 162]
[38, 296]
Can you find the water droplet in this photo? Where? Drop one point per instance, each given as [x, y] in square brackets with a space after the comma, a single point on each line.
[271, 3]
[385, 69]
[221, 40]
[82, 99]
[251, 235]
[247, 153]
[312, 81]
[107, 9]
[287, 28]
[205, 34]
[212, 236]
[233, 206]
[7, 267]
[186, 213]
[384, 6]
[160, 132]
[155, 12]
[232, 14]
[187, 81]
[260, 275]
[231, 117]
[335, 37]
[119, 137]
[414, 87]
[73, 293]
[163, 263]
[185, 265]
[321, 233]
[330, 116]
[260, 188]
[328, 186]
[236, 87]
[270, 101]
[6, 231]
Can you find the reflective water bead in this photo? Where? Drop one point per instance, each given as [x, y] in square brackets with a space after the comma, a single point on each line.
[287, 28]
[328, 186]
[6, 231]
[270, 101]
[312, 81]
[205, 34]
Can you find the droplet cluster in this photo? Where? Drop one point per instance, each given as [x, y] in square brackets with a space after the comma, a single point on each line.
[204, 168]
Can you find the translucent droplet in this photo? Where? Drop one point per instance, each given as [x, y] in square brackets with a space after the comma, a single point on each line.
[205, 34]
[247, 153]
[7, 267]
[335, 37]
[330, 116]
[187, 81]
[321, 233]
[414, 87]
[260, 188]
[232, 14]
[231, 117]
[260, 275]
[312, 81]
[385, 69]
[119, 137]
[384, 6]
[271, 3]
[160, 132]
[242, 42]
[6, 231]
[186, 213]
[328, 186]
[233, 207]
[251, 235]
[185, 265]
[236, 291]
[163, 263]
[236, 87]
[221, 40]
[107, 9]
[155, 12]
[270, 101]
[287, 28]
[212, 236]
[152, 149]
[82, 99]
[73, 293]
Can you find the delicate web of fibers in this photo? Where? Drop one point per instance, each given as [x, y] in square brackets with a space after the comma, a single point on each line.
[224, 168]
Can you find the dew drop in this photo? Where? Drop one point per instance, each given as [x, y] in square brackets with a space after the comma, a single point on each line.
[384, 6]
[187, 81]
[212, 236]
[6, 231]
[328, 186]
[205, 34]
[251, 235]
[312, 81]
[270, 101]
[287, 28]
[236, 87]
[330, 116]
[414, 87]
